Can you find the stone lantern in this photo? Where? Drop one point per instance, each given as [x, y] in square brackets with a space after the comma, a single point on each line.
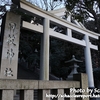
[74, 67]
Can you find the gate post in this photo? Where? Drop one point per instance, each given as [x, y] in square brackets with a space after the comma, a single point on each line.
[44, 64]
[10, 48]
[83, 83]
[88, 62]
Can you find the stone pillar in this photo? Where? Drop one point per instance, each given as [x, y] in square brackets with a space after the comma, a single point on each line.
[88, 62]
[44, 64]
[61, 92]
[28, 94]
[44, 95]
[8, 95]
[9, 59]
[83, 84]
[69, 32]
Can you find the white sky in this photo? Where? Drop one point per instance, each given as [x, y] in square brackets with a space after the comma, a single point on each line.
[40, 3]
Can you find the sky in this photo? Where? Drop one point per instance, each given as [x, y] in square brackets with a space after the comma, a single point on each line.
[38, 1]
[2, 3]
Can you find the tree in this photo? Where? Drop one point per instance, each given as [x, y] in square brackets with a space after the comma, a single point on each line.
[84, 9]
[4, 7]
[61, 51]
[88, 12]
[7, 5]
[47, 4]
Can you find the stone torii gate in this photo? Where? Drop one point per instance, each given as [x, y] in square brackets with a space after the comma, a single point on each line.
[9, 61]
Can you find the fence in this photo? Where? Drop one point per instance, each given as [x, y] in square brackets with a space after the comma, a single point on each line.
[45, 88]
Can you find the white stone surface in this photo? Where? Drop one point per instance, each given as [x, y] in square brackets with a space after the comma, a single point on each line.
[88, 62]
[9, 61]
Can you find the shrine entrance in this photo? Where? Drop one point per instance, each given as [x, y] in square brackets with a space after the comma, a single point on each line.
[10, 47]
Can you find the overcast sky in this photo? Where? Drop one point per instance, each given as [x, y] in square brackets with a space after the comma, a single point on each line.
[36, 1]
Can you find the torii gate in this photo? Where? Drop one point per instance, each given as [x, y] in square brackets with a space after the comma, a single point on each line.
[11, 41]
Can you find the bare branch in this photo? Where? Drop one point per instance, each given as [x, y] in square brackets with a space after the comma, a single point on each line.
[46, 4]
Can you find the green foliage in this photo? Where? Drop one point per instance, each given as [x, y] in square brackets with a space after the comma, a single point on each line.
[61, 51]
[83, 9]
[28, 43]
[96, 72]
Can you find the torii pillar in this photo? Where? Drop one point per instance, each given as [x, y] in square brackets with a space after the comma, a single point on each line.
[44, 59]
[88, 62]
